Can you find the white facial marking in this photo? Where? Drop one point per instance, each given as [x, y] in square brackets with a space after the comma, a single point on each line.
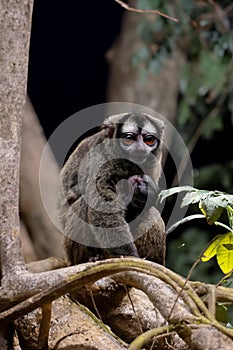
[129, 127]
[149, 128]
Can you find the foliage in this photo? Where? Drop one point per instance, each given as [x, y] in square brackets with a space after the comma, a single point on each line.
[212, 204]
[204, 34]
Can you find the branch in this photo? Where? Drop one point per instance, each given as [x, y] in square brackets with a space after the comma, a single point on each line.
[46, 286]
[197, 331]
[191, 317]
[146, 337]
[223, 294]
[133, 9]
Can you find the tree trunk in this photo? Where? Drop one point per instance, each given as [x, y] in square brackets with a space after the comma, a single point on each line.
[15, 23]
[14, 39]
[45, 236]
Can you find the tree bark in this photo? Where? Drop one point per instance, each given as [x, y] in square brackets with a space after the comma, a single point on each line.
[72, 327]
[45, 236]
[15, 23]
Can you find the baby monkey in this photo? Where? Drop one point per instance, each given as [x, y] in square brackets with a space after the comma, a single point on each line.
[136, 191]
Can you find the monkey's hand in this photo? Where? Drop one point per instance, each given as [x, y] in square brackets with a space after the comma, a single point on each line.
[143, 190]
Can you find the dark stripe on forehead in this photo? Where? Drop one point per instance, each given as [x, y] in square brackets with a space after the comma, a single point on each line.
[140, 122]
[118, 130]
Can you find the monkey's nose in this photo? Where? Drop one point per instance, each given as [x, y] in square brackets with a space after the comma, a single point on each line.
[138, 158]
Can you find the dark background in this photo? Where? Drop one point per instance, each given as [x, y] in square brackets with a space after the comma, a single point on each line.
[68, 70]
[67, 65]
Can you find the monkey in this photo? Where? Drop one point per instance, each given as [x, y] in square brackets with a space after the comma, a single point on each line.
[109, 186]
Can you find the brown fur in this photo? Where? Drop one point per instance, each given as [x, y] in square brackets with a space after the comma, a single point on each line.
[78, 201]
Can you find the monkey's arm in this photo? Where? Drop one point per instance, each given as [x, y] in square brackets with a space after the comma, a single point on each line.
[70, 171]
[151, 231]
[91, 234]
[112, 233]
[145, 220]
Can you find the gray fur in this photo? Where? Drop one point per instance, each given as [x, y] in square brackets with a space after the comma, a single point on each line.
[92, 210]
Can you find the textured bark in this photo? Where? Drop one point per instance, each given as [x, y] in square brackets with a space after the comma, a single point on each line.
[198, 336]
[45, 236]
[72, 327]
[190, 318]
[15, 24]
[143, 316]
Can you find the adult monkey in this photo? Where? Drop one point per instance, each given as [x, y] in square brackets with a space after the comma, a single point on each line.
[108, 192]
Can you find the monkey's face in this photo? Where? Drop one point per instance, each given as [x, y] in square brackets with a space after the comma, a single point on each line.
[138, 142]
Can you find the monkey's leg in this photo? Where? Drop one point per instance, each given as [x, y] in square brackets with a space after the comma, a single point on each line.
[112, 233]
[79, 245]
[151, 241]
[91, 234]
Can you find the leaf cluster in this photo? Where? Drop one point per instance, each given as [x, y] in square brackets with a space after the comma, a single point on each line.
[211, 204]
[205, 34]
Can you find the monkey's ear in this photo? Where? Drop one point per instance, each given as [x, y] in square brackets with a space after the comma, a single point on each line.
[109, 129]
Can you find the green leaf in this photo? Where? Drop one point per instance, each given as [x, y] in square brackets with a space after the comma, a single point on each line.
[186, 219]
[167, 193]
[192, 197]
[213, 203]
[230, 215]
[218, 247]
[210, 210]
[225, 257]
[212, 249]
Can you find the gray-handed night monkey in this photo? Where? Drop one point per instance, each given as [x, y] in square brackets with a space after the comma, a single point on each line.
[109, 187]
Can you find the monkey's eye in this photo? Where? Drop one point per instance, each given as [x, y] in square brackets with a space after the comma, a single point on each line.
[128, 138]
[150, 140]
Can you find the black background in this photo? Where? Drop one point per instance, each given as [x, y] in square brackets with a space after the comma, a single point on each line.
[67, 65]
[68, 70]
